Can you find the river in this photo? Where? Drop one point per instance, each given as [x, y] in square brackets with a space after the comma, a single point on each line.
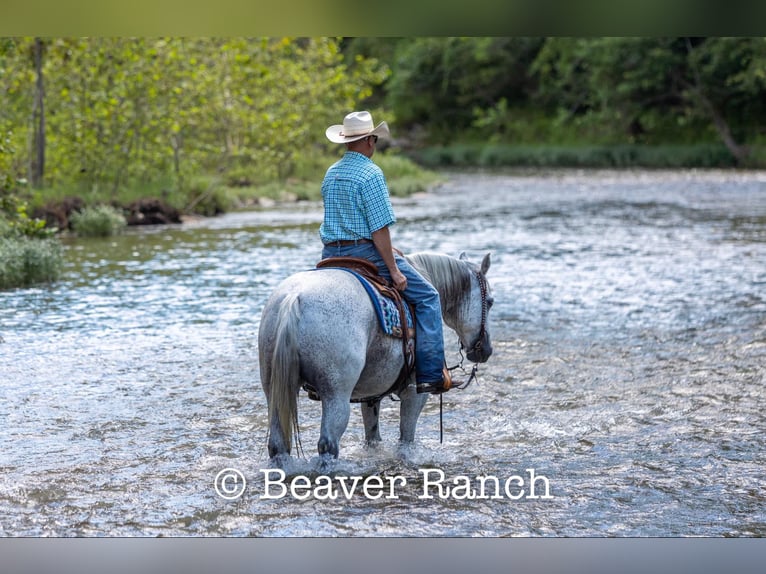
[625, 396]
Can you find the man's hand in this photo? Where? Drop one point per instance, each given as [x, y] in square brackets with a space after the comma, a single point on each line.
[399, 280]
[382, 240]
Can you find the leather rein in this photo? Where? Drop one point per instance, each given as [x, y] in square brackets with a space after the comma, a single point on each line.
[477, 346]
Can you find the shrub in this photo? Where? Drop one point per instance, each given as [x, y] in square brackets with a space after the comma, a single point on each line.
[26, 261]
[99, 221]
[14, 219]
[207, 196]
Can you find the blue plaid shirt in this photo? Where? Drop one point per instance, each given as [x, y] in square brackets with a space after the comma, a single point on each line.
[356, 200]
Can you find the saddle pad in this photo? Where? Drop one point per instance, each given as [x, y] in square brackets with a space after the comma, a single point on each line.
[385, 308]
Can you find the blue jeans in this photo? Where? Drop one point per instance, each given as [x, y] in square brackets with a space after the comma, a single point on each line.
[429, 336]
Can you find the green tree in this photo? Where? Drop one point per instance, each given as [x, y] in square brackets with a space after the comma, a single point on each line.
[441, 82]
[120, 110]
[37, 164]
[726, 84]
[641, 88]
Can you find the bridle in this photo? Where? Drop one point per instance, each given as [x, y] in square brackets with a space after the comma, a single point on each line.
[478, 345]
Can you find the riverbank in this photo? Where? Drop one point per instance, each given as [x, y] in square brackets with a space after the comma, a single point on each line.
[211, 195]
[668, 156]
[26, 217]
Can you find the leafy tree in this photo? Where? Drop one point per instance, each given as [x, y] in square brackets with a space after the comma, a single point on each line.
[642, 86]
[133, 110]
[726, 84]
[440, 82]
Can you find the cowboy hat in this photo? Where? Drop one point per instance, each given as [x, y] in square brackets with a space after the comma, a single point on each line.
[356, 126]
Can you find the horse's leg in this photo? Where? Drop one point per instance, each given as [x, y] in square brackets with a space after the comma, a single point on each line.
[409, 411]
[335, 414]
[370, 415]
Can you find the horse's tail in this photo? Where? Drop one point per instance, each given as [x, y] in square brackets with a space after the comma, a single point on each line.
[285, 370]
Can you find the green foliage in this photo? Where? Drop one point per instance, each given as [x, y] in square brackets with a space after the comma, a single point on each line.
[98, 221]
[28, 253]
[15, 221]
[635, 85]
[126, 111]
[208, 196]
[153, 116]
[6, 154]
[588, 91]
[440, 81]
[26, 261]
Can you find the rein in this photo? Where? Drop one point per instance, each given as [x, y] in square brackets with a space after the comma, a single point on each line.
[476, 348]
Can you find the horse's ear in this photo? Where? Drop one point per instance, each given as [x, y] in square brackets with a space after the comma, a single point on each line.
[485, 264]
[463, 256]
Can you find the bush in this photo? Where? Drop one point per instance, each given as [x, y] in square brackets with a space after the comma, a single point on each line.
[14, 219]
[25, 261]
[99, 221]
[208, 196]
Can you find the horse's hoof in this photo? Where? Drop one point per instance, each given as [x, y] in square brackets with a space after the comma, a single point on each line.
[327, 463]
[326, 446]
[373, 443]
[280, 460]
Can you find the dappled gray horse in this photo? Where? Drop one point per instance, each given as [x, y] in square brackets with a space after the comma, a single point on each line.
[320, 328]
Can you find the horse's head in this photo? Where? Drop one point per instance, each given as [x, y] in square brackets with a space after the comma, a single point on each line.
[466, 298]
[474, 327]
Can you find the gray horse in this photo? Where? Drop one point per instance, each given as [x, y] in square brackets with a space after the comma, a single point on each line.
[320, 328]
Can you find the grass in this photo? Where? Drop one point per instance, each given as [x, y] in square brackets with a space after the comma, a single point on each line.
[404, 177]
[212, 195]
[243, 187]
[596, 156]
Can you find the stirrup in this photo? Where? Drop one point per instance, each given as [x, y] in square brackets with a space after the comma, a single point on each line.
[436, 387]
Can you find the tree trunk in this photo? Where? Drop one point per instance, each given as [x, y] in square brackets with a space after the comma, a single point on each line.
[740, 152]
[37, 162]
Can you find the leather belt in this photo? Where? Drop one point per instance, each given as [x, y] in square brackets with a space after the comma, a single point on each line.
[347, 242]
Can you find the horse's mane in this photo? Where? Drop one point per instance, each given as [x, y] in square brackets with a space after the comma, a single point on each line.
[450, 276]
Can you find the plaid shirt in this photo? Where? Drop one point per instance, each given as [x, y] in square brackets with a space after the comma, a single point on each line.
[356, 200]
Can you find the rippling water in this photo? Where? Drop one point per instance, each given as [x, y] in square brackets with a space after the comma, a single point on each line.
[630, 342]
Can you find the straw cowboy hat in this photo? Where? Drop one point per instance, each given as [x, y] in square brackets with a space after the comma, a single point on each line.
[356, 126]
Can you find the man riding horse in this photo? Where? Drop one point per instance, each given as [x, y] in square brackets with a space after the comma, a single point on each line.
[357, 217]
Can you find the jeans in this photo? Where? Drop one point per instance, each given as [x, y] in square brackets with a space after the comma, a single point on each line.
[429, 336]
